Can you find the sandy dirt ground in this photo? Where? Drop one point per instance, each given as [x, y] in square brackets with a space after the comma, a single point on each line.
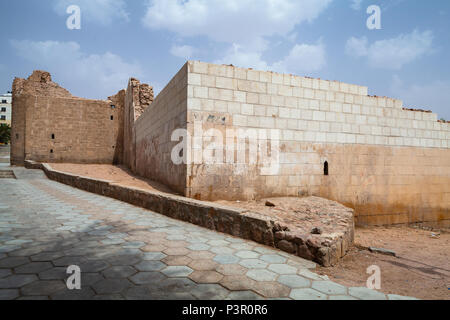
[116, 174]
[421, 268]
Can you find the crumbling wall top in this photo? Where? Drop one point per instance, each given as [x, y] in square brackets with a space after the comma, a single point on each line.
[39, 84]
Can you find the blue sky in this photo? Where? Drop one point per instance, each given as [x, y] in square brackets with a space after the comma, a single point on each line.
[151, 39]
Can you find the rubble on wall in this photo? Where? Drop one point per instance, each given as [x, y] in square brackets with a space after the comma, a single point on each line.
[39, 84]
[143, 96]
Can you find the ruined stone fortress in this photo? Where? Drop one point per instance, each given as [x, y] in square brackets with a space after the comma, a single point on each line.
[333, 140]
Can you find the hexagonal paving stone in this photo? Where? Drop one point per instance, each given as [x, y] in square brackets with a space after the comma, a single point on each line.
[271, 289]
[93, 266]
[253, 264]
[150, 265]
[218, 243]
[366, 294]
[261, 275]
[222, 250]
[176, 260]
[109, 286]
[177, 251]
[43, 288]
[244, 295]
[282, 269]
[209, 292]
[205, 276]
[238, 283]
[133, 245]
[68, 261]
[177, 244]
[201, 255]
[176, 285]
[308, 274]
[199, 247]
[247, 254]
[119, 272]
[13, 262]
[226, 259]
[153, 256]
[177, 271]
[8, 294]
[203, 265]
[307, 294]
[147, 278]
[56, 273]
[273, 258]
[4, 273]
[329, 287]
[17, 281]
[123, 260]
[341, 297]
[47, 256]
[154, 248]
[33, 267]
[232, 270]
[294, 281]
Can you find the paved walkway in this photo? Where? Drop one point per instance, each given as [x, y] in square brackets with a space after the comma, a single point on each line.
[126, 252]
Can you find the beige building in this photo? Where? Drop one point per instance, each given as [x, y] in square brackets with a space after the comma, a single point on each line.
[5, 108]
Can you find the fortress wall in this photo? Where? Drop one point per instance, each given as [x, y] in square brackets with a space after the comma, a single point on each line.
[392, 165]
[154, 129]
[83, 131]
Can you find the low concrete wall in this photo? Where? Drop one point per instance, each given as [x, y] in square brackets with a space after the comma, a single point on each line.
[237, 222]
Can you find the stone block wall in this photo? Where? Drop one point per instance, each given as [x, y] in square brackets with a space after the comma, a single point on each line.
[154, 130]
[50, 125]
[389, 163]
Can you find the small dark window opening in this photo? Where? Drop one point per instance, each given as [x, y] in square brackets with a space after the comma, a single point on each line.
[112, 117]
[113, 106]
[53, 136]
[51, 151]
[325, 168]
[17, 136]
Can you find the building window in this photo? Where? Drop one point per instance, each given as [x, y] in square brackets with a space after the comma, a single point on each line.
[4, 101]
[3, 109]
[325, 168]
[112, 117]
[3, 118]
[53, 136]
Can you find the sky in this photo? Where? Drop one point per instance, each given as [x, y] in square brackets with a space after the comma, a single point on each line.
[407, 58]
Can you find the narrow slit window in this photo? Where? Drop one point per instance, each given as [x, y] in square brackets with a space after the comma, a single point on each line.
[53, 136]
[325, 169]
[112, 117]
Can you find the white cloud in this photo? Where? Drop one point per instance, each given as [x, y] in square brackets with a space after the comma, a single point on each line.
[244, 22]
[357, 47]
[94, 76]
[303, 58]
[392, 53]
[356, 4]
[430, 96]
[186, 52]
[100, 11]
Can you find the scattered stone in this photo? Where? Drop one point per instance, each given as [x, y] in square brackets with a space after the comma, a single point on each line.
[386, 252]
[316, 230]
[269, 204]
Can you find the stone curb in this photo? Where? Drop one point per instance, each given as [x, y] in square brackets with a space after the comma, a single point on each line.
[236, 222]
